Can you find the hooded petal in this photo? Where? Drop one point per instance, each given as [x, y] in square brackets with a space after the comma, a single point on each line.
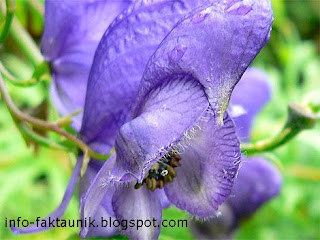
[119, 64]
[104, 209]
[155, 130]
[208, 168]
[59, 211]
[258, 181]
[71, 34]
[139, 205]
[215, 45]
[248, 98]
[168, 112]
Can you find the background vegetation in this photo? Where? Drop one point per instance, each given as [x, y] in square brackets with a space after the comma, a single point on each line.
[32, 185]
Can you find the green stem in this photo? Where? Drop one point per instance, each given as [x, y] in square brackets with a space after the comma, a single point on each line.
[269, 144]
[299, 118]
[43, 125]
[25, 43]
[10, 9]
[86, 160]
[36, 6]
[66, 120]
[36, 77]
[28, 133]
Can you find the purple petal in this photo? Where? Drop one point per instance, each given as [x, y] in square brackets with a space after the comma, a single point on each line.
[215, 45]
[59, 211]
[258, 181]
[248, 98]
[219, 227]
[169, 111]
[70, 82]
[165, 203]
[110, 183]
[209, 164]
[139, 205]
[71, 35]
[105, 209]
[102, 231]
[98, 195]
[119, 63]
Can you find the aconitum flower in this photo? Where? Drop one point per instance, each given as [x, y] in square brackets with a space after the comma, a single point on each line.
[258, 180]
[71, 35]
[161, 103]
[175, 140]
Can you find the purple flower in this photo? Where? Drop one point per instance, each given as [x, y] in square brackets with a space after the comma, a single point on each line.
[71, 35]
[161, 102]
[169, 138]
[258, 180]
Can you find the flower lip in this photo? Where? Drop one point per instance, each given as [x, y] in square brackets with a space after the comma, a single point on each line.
[170, 113]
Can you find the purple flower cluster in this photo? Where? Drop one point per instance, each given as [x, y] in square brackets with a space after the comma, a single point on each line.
[155, 86]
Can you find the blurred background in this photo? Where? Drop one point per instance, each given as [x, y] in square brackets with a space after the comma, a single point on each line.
[32, 183]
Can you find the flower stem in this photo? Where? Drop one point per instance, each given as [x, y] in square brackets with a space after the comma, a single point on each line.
[43, 125]
[66, 120]
[299, 119]
[10, 9]
[269, 144]
[40, 74]
[36, 6]
[29, 134]
[25, 43]
[86, 160]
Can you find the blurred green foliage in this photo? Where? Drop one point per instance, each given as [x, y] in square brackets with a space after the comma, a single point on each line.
[32, 185]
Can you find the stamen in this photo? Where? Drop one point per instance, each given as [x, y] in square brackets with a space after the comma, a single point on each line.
[171, 171]
[164, 173]
[177, 157]
[168, 178]
[138, 185]
[149, 183]
[161, 172]
[175, 163]
[160, 184]
[154, 184]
